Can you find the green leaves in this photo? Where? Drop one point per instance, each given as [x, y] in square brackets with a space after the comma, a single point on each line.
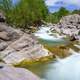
[76, 12]
[55, 17]
[5, 5]
[25, 13]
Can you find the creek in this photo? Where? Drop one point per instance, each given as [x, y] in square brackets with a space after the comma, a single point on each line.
[67, 68]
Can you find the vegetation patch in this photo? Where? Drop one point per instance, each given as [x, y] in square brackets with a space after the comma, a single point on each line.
[25, 63]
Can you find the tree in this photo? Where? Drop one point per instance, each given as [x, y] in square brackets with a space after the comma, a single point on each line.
[25, 13]
[63, 12]
[5, 5]
[56, 16]
[76, 12]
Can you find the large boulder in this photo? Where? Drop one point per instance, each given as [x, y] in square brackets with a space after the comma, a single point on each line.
[7, 32]
[71, 20]
[8, 72]
[3, 35]
[17, 46]
[24, 48]
[70, 26]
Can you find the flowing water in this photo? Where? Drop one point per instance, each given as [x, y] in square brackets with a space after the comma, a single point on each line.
[62, 69]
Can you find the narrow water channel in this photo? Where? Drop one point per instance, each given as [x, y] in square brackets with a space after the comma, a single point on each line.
[62, 69]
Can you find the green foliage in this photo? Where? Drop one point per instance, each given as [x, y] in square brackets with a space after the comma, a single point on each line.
[5, 5]
[25, 13]
[63, 12]
[55, 17]
[76, 12]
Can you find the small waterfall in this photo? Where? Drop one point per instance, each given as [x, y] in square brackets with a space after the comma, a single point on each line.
[78, 46]
[72, 52]
[58, 58]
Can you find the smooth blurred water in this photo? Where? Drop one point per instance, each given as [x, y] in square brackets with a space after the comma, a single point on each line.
[62, 69]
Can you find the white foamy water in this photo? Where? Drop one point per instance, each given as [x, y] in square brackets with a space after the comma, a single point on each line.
[44, 33]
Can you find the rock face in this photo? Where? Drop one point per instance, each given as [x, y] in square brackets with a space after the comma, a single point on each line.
[16, 46]
[2, 17]
[8, 72]
[69, 25]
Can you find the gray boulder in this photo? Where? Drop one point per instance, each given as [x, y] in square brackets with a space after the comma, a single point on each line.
[17, 46]
[8, 32]
[24, 48]
[8, 72]
[69, 25]
[4, 36]
[3, 45]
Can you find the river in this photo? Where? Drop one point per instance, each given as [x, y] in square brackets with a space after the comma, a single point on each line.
[63, 68]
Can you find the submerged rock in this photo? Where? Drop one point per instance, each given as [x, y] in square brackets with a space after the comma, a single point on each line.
[8, 72]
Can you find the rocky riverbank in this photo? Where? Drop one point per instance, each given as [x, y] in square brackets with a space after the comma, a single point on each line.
[69, 26]
[64, 35]
[8, 72]
[16, 46]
